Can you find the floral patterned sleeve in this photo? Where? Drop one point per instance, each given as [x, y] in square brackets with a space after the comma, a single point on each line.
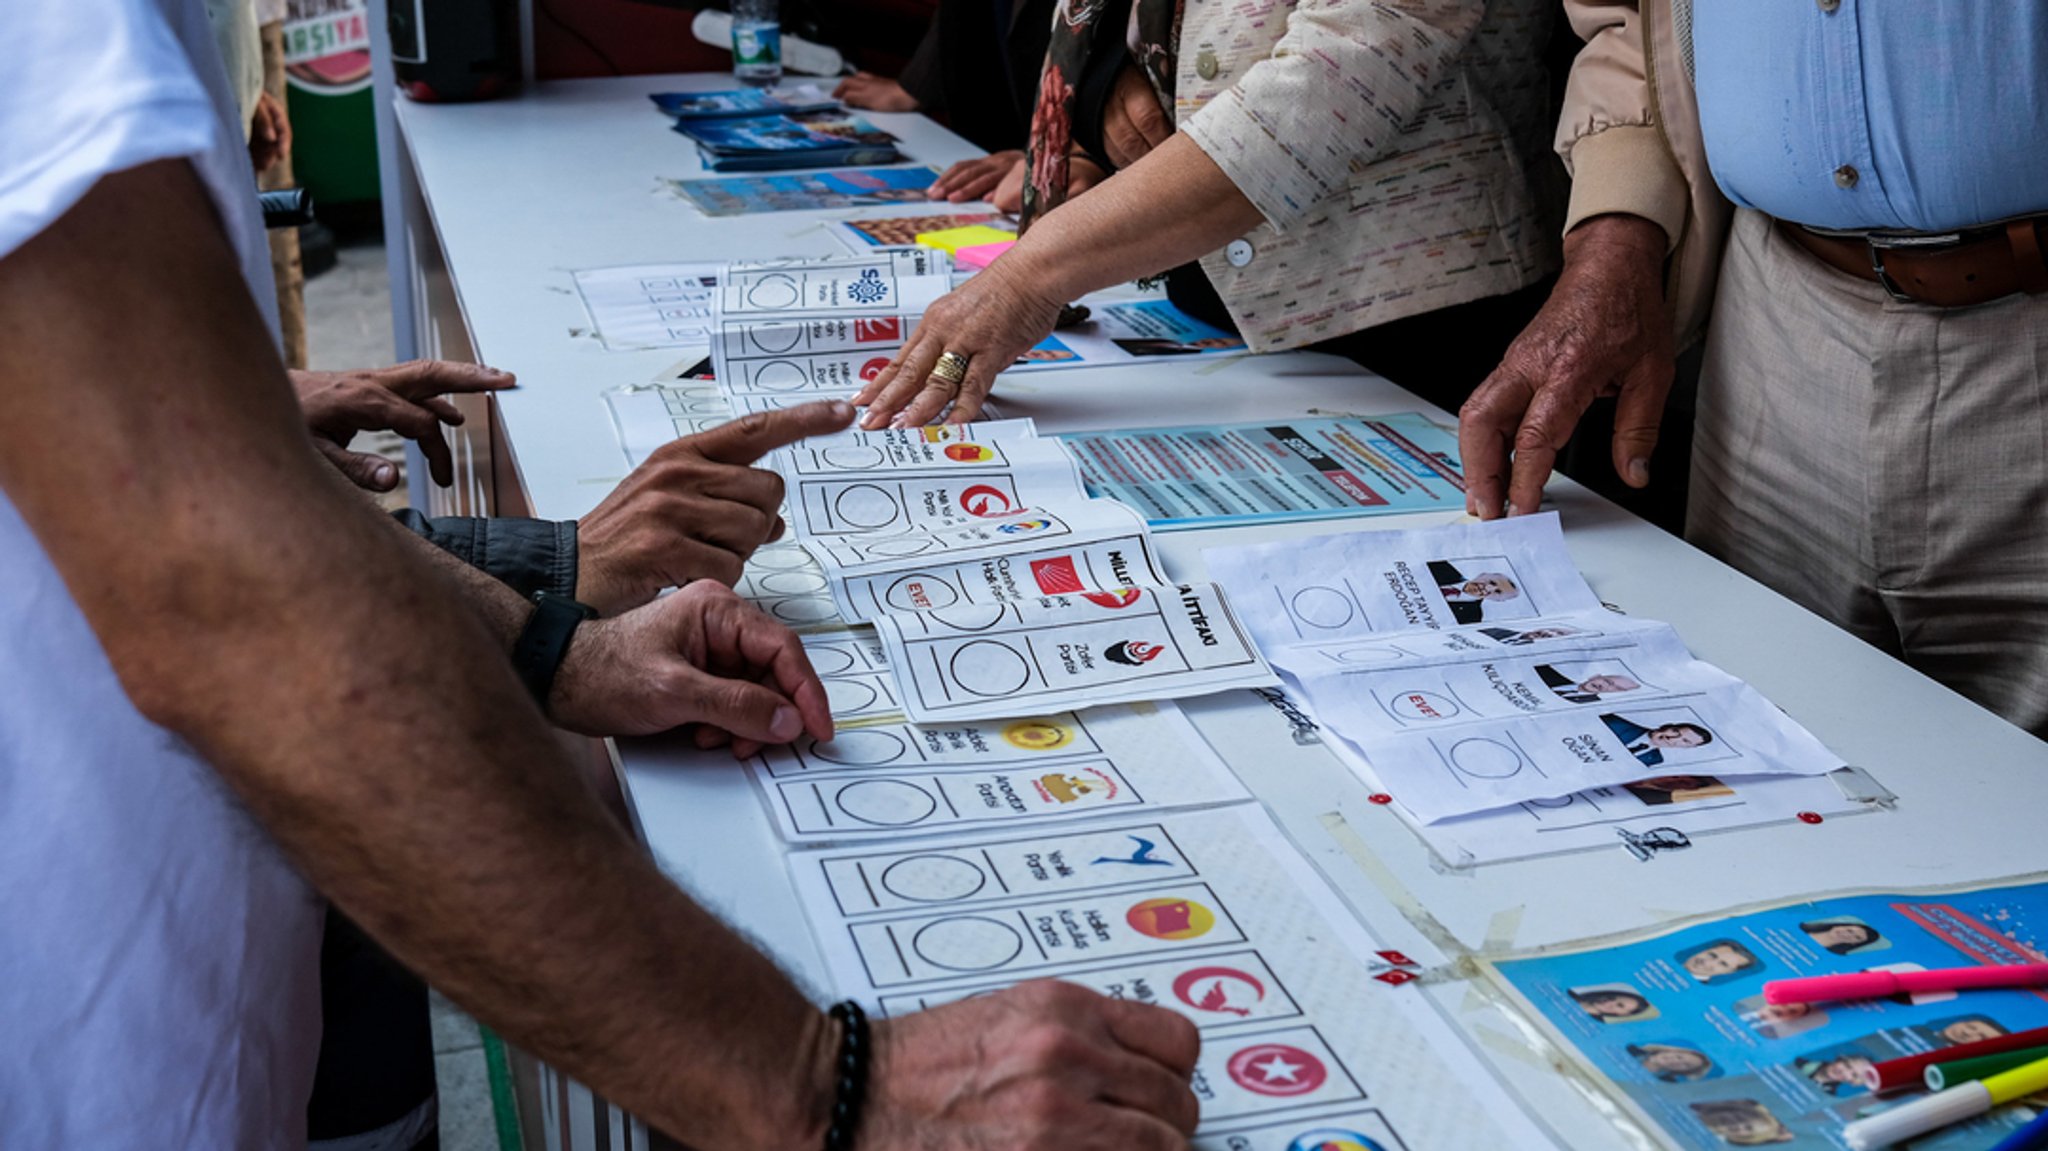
[1334, 94]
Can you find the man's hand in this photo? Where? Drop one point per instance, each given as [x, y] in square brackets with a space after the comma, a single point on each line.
[1042, 1066]
[1133, 123]
[875, 93]
[694, 510]
[702, 656]
[975, 179]
[401, 398]
[1603, 332]
[270, 133]
[991, 319]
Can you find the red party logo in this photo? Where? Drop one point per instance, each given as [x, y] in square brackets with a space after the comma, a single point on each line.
[877, 330]
[1276, 1069]
[1056, 576]
[1124, 598]
[1133, 652]
[969, 453]
[1224, 990]
[984, 500]
[873, 368]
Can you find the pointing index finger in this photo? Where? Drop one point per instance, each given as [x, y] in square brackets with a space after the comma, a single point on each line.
[750, 437]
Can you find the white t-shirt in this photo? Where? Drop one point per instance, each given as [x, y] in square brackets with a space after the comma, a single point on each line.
[159, 957]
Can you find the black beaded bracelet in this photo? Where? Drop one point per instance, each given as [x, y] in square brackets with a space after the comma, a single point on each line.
[852, 1089]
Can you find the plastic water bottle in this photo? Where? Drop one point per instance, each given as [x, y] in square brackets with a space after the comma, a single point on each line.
[756, 43]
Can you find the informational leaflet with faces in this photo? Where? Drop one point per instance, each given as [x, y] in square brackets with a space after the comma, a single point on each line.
[1675, 1022]
[1492, 676]
[990, 661]
[881, 779]
[1309, 1039]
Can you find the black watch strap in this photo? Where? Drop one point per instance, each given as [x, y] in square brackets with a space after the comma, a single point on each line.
[538, 652]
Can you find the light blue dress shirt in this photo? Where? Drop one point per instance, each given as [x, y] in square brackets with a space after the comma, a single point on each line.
[1925, 115]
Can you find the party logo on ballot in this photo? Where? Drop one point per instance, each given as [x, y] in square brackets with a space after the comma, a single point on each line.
[1133, 652]
[1276, 1069]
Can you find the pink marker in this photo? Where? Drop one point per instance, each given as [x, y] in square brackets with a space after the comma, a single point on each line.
[1878, 984]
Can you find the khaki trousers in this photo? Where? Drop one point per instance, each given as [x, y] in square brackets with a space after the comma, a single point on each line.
[1883, 464]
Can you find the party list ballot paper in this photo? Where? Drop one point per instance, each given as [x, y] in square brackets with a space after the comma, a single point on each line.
[894, 779]
[1058, 652]
[1211, 914]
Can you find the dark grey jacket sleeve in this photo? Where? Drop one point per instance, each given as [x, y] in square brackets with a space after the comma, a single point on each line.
[527, 555]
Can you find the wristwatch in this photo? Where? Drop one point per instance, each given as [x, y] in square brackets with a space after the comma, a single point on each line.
[537, 653]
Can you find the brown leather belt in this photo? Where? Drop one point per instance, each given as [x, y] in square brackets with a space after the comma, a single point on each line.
[1949, 270]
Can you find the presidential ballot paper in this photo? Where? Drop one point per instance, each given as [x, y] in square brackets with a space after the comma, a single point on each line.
[1211, 914]
[1474, 670]
[989, 661]
[894, 779]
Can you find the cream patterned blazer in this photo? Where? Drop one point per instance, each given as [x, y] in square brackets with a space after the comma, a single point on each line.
[1398, 149]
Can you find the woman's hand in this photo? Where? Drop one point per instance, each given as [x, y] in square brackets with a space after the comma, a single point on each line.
[975, 179]
[990, 320]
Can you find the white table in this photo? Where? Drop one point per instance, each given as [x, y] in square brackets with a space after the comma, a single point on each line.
[516, 194]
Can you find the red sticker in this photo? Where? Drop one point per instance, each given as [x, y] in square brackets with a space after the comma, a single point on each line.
[1397, 959]
[1396, 978]
[1809, 817]
[1379, 797]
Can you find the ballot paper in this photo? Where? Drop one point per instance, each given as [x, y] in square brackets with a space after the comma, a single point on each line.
[1057, 652]
[1024, 570]
[805, 357]
[650, 305]
[1379, 583]
[894, 779]
[938, 449]
[808, 289]
[1082, 521]
[1309, 1040]
[783, 580]
[1644, 816]
[1473, 669]
[1037, 473]
[855, 673]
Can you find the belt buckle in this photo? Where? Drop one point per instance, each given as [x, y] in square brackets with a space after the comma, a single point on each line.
[1878, 243]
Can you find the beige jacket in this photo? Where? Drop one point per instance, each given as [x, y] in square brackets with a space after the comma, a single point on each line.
[1397, 149]
[1630, 134]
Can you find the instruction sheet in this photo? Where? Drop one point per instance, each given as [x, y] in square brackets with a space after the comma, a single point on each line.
[1275, 471]
[1211, 914]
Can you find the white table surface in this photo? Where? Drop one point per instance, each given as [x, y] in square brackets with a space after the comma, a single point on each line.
[524, 191]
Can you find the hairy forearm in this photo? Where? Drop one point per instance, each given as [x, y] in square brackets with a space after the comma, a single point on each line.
[345, 690]
[1172, 206]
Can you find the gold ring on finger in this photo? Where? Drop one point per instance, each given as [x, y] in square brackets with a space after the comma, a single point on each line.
[952, 368]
